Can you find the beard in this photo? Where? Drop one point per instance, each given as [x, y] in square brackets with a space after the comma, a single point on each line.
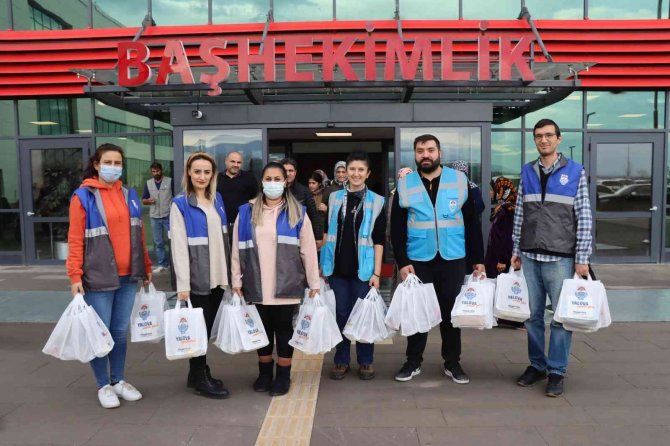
[429, 168]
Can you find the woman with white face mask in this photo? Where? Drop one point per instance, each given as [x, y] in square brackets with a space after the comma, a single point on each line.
[107, 257]
[273, 261]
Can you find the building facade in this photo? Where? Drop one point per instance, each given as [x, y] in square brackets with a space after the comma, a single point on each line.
[316, 79]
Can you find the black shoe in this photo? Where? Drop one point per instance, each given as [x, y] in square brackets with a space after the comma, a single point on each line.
[457, 374]
[264, 380]
[190, 382]
[407, 372]
[282, 382]
[203, 386]
[531, 376]
[555, 385]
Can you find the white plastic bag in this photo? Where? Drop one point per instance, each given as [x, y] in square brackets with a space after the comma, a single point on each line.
[147, 318]
[316, 329]
[414, 307]
[582, 305]
[327, 295]
[474, 304]
[185, 332]
[79, 334]
[240, 328]
[511, 298]
[227, 295]
[366, 321]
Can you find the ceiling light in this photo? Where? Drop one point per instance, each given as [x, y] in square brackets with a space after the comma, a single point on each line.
[632, 115]
[85, 131]
[43, 122]
[595, 125]
[333, 134]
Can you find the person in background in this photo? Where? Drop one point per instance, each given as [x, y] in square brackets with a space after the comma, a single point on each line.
[339, 178]
[315, 185]
[326, 181]
[158, 193]
[476, 193]
[107, 257]
[304, 197]
[352, 256]
[274, 260]
[201, 255]
[235, 186]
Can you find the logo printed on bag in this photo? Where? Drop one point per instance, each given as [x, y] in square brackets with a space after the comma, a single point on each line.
[183, 325]
[581, 293]
[252, 329]
[516, 288]
[304, 326]
[470, 296]
[144, 312]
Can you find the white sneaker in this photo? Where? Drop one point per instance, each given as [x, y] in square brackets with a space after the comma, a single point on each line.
[159, 269]
[108, 398]
[127, 391]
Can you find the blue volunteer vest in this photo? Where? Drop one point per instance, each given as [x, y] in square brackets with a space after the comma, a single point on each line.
[434, 228]
[290, 279]
[197, 238]
[100, 272]
[366, 252]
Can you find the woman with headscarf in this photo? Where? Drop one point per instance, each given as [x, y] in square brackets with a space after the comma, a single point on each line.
[315, 185]
[339, 178]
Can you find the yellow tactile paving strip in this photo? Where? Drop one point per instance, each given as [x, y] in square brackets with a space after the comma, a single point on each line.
[290, 417]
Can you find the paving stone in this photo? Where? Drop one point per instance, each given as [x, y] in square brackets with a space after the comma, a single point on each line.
[345, 436]
[605, 435]
[119, 434]
[515, 417]
[648, 380]
[624, 415]
[483, 436]
[382, 417]
[229, 435]
[52, 433]
[630, 397]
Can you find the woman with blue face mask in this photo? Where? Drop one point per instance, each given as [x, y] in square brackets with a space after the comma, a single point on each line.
[107, 258]
[273, 261]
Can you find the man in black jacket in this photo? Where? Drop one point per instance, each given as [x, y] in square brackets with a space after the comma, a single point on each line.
[304, 196]
[235, 186]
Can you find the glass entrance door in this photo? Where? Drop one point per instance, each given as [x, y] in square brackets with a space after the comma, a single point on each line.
[627, 196]
[51, 171]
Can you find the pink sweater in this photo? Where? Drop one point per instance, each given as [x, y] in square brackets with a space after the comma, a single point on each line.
[266, 239]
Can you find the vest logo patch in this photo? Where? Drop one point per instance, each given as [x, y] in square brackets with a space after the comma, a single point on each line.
[453, 204]
[563, 180]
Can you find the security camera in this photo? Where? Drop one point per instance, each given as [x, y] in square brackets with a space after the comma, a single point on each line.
[197, 114]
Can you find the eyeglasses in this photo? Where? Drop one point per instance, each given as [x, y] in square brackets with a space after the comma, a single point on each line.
[538, 137]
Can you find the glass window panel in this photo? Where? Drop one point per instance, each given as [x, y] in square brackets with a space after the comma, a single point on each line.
[428, 9]
[624, 9]
[10, 231]
[667, 202]
[513, 124]
[218, 143]
[54, 116]
[481, 9]
[457, 143]
[304, 11]
[9, 175]
[7, 121]
[160, 126]
[55, 174]
[624, 177]
[4, 21]
[571, 146]
[566, 113]
[622, 237]
[179, 12]
[625, 110]
[119, 13]
[240, 11]
[48, 15]
[368, 10]
[506, 155]
[51, 240]
[114, 120]
[556, 9]
[164, 154]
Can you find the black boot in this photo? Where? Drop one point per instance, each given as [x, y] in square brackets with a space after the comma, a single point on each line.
[264, 380]
[282, 382]
[190, 382]
[203, 386]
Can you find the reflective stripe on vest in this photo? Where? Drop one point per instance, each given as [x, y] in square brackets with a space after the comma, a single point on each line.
[197, 238]
[290, 279]
[434, 228]
[100, 271]
[366, 252]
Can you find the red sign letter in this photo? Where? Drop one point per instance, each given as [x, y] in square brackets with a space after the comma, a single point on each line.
[337, 57]
[223, 69]
[448, 73]
[174, 50]
[514, 56]
[484, 59]
[140, 54]
[291, 46]
[370, 59]
[244, 59]
[421, 51]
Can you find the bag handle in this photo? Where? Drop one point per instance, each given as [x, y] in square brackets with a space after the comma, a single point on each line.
[177, 306]
[78, 303]
[578, 277]
[372, 294]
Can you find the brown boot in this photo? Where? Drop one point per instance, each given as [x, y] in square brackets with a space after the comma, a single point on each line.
[366, 372]
[339, 371]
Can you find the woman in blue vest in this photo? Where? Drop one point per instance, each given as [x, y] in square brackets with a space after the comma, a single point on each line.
[273, 261]
[200, 255]
[352, 255]
[107, 257]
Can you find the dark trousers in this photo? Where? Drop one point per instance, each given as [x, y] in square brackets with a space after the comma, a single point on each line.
[447, 278]
[210, 305]
[278, 324]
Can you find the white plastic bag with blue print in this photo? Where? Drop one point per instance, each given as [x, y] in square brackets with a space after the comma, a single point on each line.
[316, 329]
[414, 307]
[240, 328]
[185, 332]
[583, 305]
[147, 318]
[366, 321]
[511, 298]
[473, 307]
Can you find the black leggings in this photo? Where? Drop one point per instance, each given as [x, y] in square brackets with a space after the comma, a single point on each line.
[278, 323]
[210, 305]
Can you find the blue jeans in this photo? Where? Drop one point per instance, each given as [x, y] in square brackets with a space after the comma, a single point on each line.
[157, 227]
[114, 308]
[547, 278]
[347, 291]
